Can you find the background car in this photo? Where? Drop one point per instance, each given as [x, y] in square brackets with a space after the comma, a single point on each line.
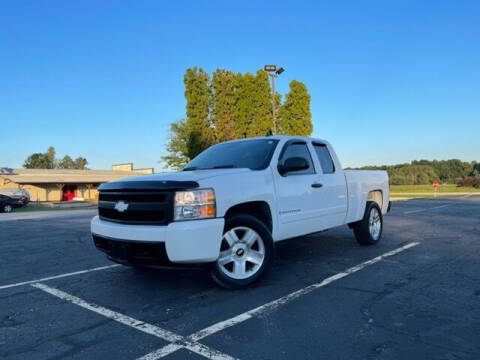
[16, 194]
[8, 203]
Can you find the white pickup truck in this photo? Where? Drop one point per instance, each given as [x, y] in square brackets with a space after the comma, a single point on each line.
[231, 203]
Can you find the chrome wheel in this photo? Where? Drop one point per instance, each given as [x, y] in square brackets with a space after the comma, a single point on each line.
[374, 223]
[7, 208]
[241, 254]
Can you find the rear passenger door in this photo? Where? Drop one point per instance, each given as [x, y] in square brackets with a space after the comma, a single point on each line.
[298, 202]
[334, 195]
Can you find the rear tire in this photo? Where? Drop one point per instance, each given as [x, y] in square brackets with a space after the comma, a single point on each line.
[368, 231]
[7, 208]
[246, 252]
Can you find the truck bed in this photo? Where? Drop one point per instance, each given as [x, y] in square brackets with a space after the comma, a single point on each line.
[359, 184]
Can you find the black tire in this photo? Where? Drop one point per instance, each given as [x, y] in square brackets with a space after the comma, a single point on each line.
[7, 208]
[362, 229]
[220, 276]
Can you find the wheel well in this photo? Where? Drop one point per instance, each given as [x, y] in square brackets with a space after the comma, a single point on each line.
[259, 209]
[377, 196]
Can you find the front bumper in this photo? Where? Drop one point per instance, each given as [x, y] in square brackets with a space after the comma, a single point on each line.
[194, 241]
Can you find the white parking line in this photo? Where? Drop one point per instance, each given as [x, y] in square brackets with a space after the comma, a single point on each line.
[137, 324]
[58, 276]
[222, 325]
[426, 209]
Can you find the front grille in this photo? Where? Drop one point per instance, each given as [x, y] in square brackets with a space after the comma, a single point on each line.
[144, 207]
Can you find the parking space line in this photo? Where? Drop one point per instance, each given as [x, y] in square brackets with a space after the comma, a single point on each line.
[58, 276]
[430, 208]
[177, 340]
[272, 305]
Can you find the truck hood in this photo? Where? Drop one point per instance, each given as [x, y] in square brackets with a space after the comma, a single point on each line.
[195, 175]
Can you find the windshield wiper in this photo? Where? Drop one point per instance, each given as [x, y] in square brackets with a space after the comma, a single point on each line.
[210, 168]
[223, 167]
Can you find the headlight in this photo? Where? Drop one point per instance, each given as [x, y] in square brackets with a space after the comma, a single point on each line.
[194, 204]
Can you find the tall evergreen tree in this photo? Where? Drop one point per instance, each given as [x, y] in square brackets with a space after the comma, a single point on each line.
[262, 120]
[243, 110]
[198, 97]
[294, 116]
[224, 84]
[253, 114]
[232, 105]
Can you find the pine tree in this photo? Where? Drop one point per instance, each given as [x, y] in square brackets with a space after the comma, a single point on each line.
[294, 116]
[224, 83]
[198, 97]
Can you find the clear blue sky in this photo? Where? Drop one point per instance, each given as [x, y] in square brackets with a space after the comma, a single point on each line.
[390, 81]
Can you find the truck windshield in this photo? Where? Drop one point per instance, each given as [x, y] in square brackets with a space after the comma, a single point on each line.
[252, 154]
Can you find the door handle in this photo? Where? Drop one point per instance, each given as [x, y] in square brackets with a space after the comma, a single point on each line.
[317, 185]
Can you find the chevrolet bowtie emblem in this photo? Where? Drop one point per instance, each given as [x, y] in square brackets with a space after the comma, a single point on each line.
[121, 206]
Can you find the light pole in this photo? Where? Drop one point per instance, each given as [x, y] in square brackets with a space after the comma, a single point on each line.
[273, 71]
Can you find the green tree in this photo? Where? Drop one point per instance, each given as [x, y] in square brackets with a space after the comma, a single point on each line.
[198, 97]
[294, 116]
[253, 106]
[81, 163]
[51, 157]
[41, 160]
[224, 86]
[262, 120]
[37, 161]
[47, 160]
[232, 105]
[177, 146]
[243, 111]
[66, 163]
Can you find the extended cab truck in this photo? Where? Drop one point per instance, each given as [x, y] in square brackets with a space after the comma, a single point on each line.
[232, 202]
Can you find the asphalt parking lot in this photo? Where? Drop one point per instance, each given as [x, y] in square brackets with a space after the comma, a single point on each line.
[415, 295]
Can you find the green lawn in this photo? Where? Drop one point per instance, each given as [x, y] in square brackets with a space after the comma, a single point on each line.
[400, 190]
[34, 207]
[41, 207]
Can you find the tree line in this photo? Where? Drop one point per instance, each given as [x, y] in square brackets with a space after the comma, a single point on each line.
[228, 105]
[421, 172]
[47, 160]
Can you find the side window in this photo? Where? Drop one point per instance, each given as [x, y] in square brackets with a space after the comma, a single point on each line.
[298, 150]
[324, 158]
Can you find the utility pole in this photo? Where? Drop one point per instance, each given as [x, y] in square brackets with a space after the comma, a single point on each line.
[273, 71]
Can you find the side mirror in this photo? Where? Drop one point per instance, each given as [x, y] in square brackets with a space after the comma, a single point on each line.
[293, 164]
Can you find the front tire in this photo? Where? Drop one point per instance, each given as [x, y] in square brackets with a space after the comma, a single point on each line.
[368, 231]
[246, 252]
[7, 208]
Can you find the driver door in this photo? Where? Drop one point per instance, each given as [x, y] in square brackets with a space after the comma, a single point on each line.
[298, 198]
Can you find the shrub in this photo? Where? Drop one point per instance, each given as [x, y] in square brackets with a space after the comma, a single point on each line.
[469, 181]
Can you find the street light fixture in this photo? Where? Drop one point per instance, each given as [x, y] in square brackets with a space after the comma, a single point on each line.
[273, 71]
